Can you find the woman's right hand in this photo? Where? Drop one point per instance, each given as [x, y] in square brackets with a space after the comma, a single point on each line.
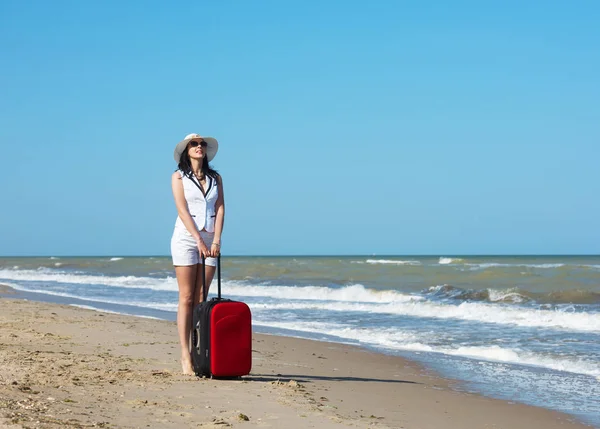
[204, 251]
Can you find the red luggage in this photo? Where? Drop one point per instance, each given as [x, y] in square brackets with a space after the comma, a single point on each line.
[221, 335]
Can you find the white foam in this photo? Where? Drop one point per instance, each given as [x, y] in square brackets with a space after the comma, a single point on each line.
[500, 354]
[447, 261]
[504, 295]
[383, 337]
[74, 296]
[392, 261]
[507, 295]
[485, 265]
[480, 312]
[143, 304]
[116, 259]
[52, 276]
[164, 306]
[352, 293]
[395, 339]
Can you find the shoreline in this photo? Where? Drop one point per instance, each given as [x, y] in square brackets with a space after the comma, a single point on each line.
[129, 367]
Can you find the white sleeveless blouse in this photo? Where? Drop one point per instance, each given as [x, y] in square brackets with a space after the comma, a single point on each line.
[201, 205]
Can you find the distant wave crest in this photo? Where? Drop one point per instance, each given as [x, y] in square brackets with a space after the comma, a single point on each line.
[392, 261]
[448, 261]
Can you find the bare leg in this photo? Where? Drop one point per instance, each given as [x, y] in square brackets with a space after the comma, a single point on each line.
[210, 273]
[186, 280]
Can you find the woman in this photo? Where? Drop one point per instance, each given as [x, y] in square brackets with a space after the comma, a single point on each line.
[198, 193]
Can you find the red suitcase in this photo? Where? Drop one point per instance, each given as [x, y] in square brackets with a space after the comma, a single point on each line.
[221, 335]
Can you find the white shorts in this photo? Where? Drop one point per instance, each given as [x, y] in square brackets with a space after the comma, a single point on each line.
[185, 251]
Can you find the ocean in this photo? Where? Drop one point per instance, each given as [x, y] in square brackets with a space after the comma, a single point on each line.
[521, 328]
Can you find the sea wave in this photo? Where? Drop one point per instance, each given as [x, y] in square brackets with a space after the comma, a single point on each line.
[351, 293]
[479, 312]
[391, 338]
[87, 297]
[448, 261]
[392, 261]
[500, 354]
[487, 265]
[116, 259]
[513, 295]
[492, 264]
[396, 339]
[54, 276]
[349, 298]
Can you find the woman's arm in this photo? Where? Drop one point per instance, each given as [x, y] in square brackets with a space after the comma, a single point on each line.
[182, 207]
[220, 215]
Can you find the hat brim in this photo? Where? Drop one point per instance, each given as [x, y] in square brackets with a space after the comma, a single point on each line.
[212, 146]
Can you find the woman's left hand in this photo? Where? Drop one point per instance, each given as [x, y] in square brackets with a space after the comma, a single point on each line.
[215, 250]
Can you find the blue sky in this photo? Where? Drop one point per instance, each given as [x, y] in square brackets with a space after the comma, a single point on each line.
[345, 127]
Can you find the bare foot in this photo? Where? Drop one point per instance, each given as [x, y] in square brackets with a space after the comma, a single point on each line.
[186, 365]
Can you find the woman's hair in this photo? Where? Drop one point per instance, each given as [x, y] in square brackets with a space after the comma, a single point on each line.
[185, 165]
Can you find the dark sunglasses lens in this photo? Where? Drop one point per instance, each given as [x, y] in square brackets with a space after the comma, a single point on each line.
[195, 143]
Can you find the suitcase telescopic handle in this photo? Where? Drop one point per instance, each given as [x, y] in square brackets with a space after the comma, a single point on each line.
[205, 290]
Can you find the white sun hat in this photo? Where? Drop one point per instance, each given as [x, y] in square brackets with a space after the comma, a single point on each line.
[212, 146]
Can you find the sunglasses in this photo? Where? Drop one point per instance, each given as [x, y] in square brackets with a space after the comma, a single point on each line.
[195, 143]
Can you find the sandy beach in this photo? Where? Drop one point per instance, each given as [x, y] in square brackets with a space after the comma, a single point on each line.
[63, 366]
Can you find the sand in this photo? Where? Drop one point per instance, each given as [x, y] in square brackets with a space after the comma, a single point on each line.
[67, 367]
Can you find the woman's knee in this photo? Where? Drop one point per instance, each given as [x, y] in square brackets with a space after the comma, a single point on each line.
[186, 300]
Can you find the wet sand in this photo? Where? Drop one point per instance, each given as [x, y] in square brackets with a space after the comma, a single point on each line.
[63, 366]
